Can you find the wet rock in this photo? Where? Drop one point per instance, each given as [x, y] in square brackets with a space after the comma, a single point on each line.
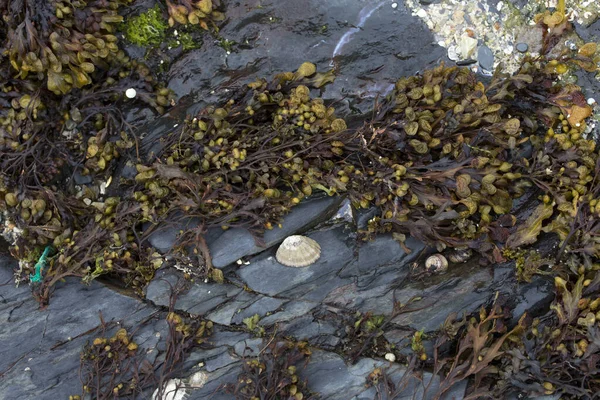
[345, 213]
[266, 276]
[462, 290]
[224, 313]
[81, 179]
[319, 333]
[200, 299]
[301, 218]
[385, 251]
[40, 349]
[290, 310]
[333, 379]
[280, 36]
[485, 57]
[212, 390]
[260, 307]
[533, 298]
[164, 237]
[221, 360]
[363, 215]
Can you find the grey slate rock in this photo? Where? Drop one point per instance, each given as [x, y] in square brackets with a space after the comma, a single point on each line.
[265, 275]
[462, 290]
[36, 356]
[290, 310]
[301, 218]
[260, 307]
[333, 379]
[200, 299]
[164, 237]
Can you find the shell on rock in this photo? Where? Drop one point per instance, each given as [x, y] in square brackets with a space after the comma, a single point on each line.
[298, 251]
[436, 263]
[460, 255]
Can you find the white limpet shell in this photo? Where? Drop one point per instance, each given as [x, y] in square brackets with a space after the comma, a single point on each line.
[298, 251]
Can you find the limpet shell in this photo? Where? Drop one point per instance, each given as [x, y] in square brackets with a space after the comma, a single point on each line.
[436, 263]
[298, 251]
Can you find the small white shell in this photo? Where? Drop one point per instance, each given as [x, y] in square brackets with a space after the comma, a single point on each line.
[390, 357]
[436, 263]
[298, 251]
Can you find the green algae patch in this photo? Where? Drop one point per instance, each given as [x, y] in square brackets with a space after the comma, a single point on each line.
[147, 29]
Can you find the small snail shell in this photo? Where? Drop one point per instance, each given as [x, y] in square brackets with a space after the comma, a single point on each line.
[436, 263]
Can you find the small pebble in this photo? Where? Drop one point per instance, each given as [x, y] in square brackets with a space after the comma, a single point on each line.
[390, 357]
[522, 47]
[591, 101]
[394, 5]
[130, 93]
[485, 58]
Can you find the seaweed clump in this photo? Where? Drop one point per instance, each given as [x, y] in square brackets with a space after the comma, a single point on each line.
[61, 120]
[201, 13]
[115, 366]
[273, 374]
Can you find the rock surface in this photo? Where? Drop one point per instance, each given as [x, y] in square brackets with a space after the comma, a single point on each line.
[370, 44]
[39, 349]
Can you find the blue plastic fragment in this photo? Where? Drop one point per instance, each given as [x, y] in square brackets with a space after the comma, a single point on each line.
[39, 266]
